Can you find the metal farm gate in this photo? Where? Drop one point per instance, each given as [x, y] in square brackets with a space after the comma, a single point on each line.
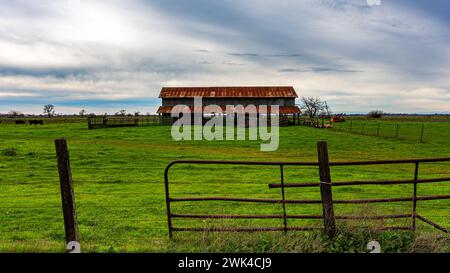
[326, 200]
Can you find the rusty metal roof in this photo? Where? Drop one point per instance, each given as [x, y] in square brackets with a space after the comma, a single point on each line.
[282, 109]
[229, 92]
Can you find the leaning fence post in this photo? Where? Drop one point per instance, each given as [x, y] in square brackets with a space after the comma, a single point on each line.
[67, 194]
[325, 189]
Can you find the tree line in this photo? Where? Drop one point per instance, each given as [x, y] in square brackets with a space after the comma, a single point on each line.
[49, 111]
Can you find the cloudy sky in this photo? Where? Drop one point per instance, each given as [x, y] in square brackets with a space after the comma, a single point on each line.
[104, 56]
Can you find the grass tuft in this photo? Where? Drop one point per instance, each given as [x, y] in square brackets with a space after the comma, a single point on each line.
[9, 152]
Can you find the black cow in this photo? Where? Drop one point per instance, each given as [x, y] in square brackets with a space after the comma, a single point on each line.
[36, 122]
[20, 122]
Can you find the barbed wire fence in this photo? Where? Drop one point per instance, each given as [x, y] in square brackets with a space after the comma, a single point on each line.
[415, 132]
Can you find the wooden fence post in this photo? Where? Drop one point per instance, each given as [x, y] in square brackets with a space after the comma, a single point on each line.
[396, 132]
[325, 189]
[67, 194]
[421, 133]
[351, 123]
[378, 129]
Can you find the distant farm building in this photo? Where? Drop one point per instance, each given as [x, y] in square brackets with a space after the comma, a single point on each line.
[283, 96]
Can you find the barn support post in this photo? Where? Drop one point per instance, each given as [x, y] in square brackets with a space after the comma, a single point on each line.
[325, 189]
[67, 194]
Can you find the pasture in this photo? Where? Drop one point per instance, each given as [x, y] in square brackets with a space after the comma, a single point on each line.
[119, 186]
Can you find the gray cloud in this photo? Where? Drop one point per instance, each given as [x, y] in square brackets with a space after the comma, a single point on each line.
[43, 72]
[232, 63]
[327, 69]
[205, 62]
[290, 70]
[245, 54]
[318, 70]
[264, 55]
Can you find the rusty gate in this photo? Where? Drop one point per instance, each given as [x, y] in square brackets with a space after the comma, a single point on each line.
[326, 200]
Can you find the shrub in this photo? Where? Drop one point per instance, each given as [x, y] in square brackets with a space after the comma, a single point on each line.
[375, 114]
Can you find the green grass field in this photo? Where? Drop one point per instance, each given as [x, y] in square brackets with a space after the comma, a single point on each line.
[119, 187]
[435, 128]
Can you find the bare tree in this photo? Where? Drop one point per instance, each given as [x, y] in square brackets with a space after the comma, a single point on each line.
[14, 113]
[49, 110]
[82, 112]
[312, 105]
[121, 113]
[375, 114]
[326, 111]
